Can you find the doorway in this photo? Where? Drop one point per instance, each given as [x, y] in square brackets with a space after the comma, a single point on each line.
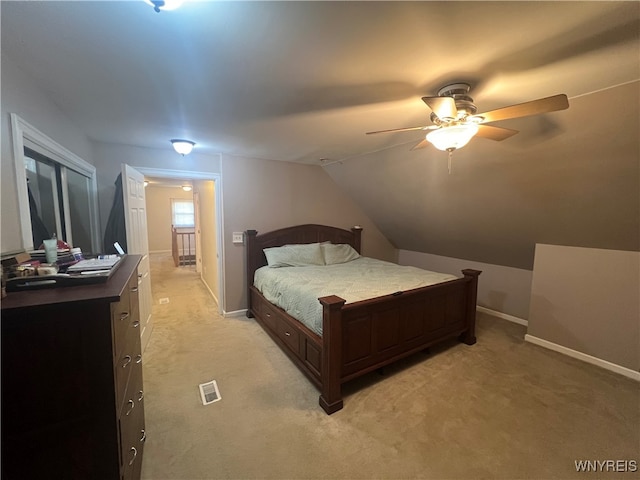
[206, 195]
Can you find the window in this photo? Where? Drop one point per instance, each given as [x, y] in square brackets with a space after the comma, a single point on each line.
[182, 214]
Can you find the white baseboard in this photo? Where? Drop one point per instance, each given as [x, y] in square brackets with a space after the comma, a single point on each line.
[159, 251]
[627, 372]
[504, 316]
[235, 313]
[206, 285]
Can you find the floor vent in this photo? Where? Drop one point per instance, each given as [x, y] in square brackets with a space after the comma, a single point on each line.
[209, 392]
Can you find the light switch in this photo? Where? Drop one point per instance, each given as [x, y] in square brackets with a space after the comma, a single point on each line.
[238, 237]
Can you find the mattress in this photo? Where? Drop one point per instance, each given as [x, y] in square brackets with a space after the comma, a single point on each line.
[296, 289]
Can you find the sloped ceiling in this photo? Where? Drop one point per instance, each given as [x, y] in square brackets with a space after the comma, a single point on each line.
[302, 82]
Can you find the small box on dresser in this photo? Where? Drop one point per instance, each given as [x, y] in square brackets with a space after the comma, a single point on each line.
[72, 391]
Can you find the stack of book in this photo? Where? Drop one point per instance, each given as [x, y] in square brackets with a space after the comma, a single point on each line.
[65, 258]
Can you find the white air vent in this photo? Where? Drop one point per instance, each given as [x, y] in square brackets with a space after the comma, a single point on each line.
[209, 392]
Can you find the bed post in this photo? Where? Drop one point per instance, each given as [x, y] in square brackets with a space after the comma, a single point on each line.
[331, 369]
[469, 335]
[251, 267]
[357, 237]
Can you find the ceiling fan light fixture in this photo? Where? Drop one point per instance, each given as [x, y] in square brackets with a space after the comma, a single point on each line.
[452, 138]
[183, 147]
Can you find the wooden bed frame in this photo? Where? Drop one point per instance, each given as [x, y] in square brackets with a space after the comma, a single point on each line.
[364, 336]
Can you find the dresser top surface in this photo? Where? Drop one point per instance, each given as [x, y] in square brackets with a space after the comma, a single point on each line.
[109, 291]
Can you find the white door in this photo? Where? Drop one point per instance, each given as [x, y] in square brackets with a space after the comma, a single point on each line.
[138, 243]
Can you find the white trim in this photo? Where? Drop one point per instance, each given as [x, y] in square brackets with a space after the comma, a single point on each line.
[235, 313]
[65, 206]
[217, 179]
[627, 372]
[206, 285]
[160, 251]
[504, 316]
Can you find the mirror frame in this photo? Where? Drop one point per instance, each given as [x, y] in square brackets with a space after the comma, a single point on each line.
[23, 133]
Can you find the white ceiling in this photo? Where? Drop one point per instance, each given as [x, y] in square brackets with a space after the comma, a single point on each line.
[301, 81]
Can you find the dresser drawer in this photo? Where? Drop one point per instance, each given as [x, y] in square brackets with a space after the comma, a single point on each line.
[121, 318]
[127, 360]
[125, 313]
[132, 427]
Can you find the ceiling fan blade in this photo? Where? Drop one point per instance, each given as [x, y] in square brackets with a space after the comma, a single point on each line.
[534, 107]
[495, 133]
[443, 107]
[422, 144]
[407, 129]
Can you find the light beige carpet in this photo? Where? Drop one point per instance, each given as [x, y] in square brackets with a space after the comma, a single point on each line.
[502, 408]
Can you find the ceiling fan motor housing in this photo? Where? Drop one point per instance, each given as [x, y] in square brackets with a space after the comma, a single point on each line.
[464, 103]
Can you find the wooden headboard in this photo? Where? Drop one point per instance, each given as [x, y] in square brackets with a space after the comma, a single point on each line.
[291, 235]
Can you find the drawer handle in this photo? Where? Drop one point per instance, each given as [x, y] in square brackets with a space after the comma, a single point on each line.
[134, 289]
[135, 454]
[124, 316]
[287, 334]
[144, 436]
[268, 315]
[133, 405]
[127, 361]
[140, 275]
[136, 324]
[140, 395]
[138, 358]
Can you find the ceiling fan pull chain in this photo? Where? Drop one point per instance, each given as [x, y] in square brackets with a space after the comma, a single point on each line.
[449, 161]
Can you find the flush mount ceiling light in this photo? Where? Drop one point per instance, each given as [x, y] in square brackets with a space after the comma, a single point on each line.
[187, 188]
[164, 4]
[183, 147]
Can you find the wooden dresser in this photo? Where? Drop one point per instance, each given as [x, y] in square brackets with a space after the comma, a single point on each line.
[72, 394]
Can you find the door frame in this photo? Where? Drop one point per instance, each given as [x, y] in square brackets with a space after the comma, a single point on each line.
[217, 179]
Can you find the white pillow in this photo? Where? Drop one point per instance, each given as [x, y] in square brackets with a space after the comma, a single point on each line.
[299, 255]
[338, 253]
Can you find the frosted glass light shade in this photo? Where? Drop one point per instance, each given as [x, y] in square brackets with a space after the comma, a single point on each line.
[183, 147]
[452, 138]
[168, 4]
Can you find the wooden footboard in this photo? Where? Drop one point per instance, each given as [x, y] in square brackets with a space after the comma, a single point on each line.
[359, 337]
[364, 336]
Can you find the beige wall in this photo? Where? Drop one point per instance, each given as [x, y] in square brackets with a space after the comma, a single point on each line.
[588, 300]
[208, 236]
[265, 195]
[159, 215]
[502, 289]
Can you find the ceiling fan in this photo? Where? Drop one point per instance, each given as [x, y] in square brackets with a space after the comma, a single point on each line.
[455, 121]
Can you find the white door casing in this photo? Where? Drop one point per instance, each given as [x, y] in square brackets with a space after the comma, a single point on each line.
[138, 243]
[196, 207]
